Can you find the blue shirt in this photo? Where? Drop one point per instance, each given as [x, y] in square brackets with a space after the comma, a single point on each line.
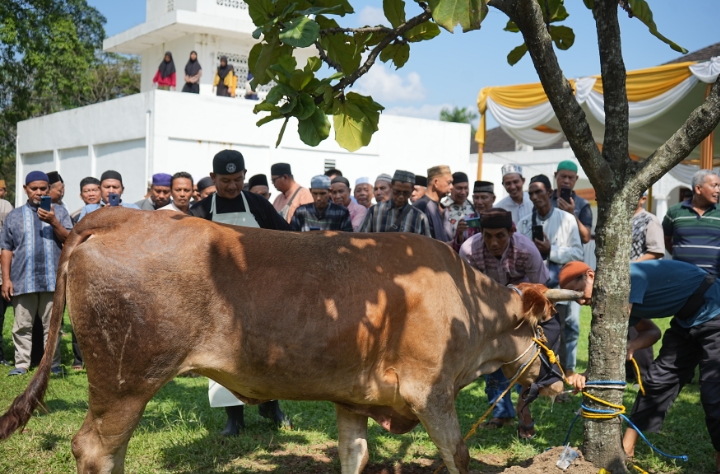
[35, 247]
[659, 288]
[94, 207]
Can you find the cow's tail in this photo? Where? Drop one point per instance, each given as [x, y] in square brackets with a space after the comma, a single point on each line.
[25, 404]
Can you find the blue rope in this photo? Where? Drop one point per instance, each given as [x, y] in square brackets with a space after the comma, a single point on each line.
[627, 420]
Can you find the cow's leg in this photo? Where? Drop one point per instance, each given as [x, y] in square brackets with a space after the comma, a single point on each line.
[100, 445]
[352, 441]
[441, 423]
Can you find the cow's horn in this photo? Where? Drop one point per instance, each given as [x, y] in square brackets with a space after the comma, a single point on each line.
[556, 295]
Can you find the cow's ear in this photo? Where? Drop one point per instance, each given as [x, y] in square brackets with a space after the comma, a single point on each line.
[535, 305]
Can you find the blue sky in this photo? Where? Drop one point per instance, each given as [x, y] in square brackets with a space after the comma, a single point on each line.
[451, 69]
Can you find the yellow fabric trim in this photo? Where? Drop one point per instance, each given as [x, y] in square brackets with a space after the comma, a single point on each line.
[646, 84]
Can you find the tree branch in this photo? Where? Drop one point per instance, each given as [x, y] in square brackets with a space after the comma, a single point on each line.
[367, 29]
[528, 16]
[696, 128]
[348, 81]
[612, 69]
[323, 55]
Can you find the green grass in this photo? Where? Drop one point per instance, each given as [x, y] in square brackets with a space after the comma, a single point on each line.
[178, 432]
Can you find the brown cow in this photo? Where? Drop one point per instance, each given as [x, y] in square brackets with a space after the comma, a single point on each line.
[153, 295]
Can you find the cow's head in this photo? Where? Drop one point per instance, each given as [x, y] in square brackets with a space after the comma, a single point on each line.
[543, 377]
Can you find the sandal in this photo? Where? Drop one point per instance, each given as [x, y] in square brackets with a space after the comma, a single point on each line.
[496, 423]
[529, 430]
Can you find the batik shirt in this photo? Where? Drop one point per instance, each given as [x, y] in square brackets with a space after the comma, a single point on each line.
[35, 247]
[454, 213]
[383, 216]
[520, 262]
[307, 218]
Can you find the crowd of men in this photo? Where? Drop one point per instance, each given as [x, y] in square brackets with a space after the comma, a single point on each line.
[536, 234]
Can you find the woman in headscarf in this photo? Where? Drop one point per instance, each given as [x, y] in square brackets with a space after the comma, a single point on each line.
[193, 73]
[165, 76]
[225, 79]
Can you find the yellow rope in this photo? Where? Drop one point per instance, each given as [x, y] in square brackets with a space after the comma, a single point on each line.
[637, 373]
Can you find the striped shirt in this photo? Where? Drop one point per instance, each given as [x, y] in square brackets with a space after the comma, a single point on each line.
[383, 216]
[695, 238]
[306, 218]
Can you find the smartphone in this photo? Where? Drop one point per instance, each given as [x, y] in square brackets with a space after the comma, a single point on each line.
[566, 194]
[114, 199]
[537, 233]
[45, 203]
[446, 202]
[473, 222]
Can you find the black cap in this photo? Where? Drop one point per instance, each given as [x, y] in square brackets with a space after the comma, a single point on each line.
[541, 178]
[228, 162]
[205, 182]
[484, 187]
[258, 180]
[280, 169]
[420, 181]
[54, 177]
[110, 174]
[460, 177]
[340, 179]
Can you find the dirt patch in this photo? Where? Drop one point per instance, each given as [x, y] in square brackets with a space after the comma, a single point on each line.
[546, 463]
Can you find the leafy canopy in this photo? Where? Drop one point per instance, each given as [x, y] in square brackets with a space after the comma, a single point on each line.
[301, 91]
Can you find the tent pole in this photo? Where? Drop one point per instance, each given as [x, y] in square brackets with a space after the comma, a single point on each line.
[706, 148]
[480, 161]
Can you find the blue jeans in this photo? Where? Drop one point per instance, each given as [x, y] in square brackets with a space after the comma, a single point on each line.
[495, 384]
[570, 321]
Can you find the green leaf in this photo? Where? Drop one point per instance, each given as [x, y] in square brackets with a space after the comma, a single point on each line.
[265, 107]
[282, 132]
[422, 32]
[355, 120]
[557, 10]
[258, 32]
[306, 106]
[320, 10]
[339, 47]
[398, 53]
[343, 6]
[269, 118]
[314, 129]
[313, 64]
[300, 32]
[300, 79]
[260, 11]
[562, 36]
[467, 13]
[641, 10]
[274, 95]
[516, 54]
[288, 107]
[589, 4]
[394, 11]
[264, 55]
[511, 27]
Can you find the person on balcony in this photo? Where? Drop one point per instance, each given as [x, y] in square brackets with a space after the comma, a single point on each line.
[193, 73]
[165, 75]
[225, 79]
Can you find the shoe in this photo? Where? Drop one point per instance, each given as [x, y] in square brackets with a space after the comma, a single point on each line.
[235, 422]
[17, 371]
[271, 410]
[4, 362]
[57, 371]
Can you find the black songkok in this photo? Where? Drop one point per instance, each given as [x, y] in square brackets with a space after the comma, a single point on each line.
[497, 218]
[54, 177]
[402, 176]
[228, 162]
[541, 178]
[258, 180]
[460, 177]
[340, 179]
[280, 169]
[421, 181]
[110, 174]
[484, 187]
[204, 183]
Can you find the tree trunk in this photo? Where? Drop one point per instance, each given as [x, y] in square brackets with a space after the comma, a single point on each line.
[607, 344]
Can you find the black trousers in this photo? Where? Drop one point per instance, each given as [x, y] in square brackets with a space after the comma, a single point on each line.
[191, 88]
[3, 308]
[681, 352]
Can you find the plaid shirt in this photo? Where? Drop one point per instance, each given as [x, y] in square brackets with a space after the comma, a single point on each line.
[520, 262]
[382, 216]
[335, 217]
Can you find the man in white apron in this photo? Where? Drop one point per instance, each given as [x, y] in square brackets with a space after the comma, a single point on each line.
[231, 205]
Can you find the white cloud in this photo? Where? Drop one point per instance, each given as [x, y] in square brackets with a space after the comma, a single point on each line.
[427, 111]
[372, 16]
[386, 86]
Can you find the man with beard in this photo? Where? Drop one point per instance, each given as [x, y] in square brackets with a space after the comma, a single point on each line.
[322, 214]
[231, 205]
[382, 189]
[440, 183]
[460, 207]
[340, 194]
[159, 193]
[397, 214]
[364, 192]
[57, 188]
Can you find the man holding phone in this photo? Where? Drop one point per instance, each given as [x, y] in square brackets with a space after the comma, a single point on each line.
[31, 241]
[111, 190]
[566, 199]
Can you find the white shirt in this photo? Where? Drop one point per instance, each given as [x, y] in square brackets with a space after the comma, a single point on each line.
[562, 231]
[518, 211]
[170, 207]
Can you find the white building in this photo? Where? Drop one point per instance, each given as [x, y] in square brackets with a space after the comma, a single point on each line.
[165, 131]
